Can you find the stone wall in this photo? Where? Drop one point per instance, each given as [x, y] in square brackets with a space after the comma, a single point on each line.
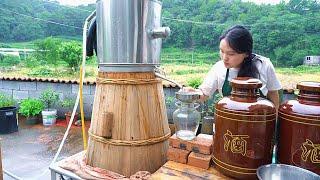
[21, 89]
[32, 89]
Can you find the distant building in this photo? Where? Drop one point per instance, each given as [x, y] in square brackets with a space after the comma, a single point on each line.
[312, 60]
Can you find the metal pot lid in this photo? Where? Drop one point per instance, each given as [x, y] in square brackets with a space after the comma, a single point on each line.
[187, 97]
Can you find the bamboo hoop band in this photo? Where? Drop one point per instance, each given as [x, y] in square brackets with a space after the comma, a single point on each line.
[129, 143]
[128, 81]
[257, 115]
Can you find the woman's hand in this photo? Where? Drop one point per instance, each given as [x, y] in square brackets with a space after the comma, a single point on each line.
[198, 91]
[188, 89]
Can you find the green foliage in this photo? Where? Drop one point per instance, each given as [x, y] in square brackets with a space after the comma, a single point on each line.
[71, 53]
[6, 101]
[48, 50]
[31, 62]
[14, 27]
[42, 72]
[9, 60]
[68, 103]
[49, 98]
[169, 100]
[31, 107]
[285, 32]
[194, 82]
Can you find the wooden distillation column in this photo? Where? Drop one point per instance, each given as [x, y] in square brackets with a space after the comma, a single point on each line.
[129, 127]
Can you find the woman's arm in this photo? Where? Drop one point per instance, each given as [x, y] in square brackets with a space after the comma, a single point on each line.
[274, 97]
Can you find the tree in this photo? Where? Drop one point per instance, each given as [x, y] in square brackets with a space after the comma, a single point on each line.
[71, 53]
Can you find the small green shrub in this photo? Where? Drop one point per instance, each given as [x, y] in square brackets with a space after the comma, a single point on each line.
[9, 60]
[32, 62]
[68, 103]
[71, 53]
[194, 82]
[42, 71]
[31, 107]
[49, 98]
[6, 101]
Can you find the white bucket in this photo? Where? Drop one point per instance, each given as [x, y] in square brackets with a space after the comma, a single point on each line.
[49, 117]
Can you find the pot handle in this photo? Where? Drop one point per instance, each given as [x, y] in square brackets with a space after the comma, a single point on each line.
[160, 32]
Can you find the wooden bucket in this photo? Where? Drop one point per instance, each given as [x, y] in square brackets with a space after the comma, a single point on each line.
[129, 126]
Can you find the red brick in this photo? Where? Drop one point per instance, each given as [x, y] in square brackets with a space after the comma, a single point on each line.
[201, 144]
[199, 160]
[177, 143]
[178, 155]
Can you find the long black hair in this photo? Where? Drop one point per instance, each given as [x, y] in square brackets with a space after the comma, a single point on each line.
[240, 40]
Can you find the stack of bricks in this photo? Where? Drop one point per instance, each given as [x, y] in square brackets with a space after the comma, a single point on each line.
[194, 153]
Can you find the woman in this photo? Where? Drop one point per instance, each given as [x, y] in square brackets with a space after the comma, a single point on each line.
[237, 60]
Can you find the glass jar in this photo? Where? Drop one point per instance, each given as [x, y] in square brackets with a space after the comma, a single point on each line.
[186, 118]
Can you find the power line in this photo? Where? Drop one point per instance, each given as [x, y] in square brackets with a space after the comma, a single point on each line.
[189, 21]
[36, 18]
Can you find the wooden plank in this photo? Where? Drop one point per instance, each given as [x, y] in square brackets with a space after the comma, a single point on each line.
[173, 170]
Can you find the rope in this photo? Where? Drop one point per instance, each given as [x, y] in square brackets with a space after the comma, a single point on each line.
[128, 81]
[129, 143]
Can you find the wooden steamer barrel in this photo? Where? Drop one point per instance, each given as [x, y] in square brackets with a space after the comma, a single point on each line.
[245, 125]
[299, 142]
[129, 127]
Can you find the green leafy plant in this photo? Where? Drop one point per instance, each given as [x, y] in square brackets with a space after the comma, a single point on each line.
[71, 53]
[9, 60]
[194, 82]
[6, 101]
[49, 98]
[31, 107]
[68, 103]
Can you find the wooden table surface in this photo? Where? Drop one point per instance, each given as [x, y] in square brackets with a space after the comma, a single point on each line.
[173, 170]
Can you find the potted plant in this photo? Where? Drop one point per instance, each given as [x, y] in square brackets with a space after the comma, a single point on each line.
[49, 98]
[8, 111]
[68, 103]
[31, 109]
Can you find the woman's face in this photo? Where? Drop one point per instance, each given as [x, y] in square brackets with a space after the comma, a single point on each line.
[230, 57]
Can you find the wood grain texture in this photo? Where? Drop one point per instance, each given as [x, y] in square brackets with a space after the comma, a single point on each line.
[173, 170]
[138, 112]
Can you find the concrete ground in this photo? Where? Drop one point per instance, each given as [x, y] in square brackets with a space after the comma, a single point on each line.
[28, 152]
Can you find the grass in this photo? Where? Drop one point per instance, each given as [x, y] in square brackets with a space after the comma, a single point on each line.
[182, 65]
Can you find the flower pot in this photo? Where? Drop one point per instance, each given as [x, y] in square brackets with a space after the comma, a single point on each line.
[8, 120]
[49, 117]
[32, 120]
[68, 117]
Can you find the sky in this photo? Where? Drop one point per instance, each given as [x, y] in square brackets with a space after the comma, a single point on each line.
[84, 2]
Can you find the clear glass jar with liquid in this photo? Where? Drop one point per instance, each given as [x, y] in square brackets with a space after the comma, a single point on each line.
[186, 117]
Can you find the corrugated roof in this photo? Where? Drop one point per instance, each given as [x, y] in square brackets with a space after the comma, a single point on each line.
[61, 80]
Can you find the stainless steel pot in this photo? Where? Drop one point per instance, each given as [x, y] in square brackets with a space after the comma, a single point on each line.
[285, 172]
[129, 35]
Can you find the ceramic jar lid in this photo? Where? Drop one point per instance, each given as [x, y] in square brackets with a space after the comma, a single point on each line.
[246, 83]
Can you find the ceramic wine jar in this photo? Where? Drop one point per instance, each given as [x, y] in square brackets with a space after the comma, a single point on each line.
[299, 142]
[245, 125]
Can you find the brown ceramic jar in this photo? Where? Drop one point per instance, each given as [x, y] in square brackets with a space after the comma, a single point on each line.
[245, 125]
[299, 142]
